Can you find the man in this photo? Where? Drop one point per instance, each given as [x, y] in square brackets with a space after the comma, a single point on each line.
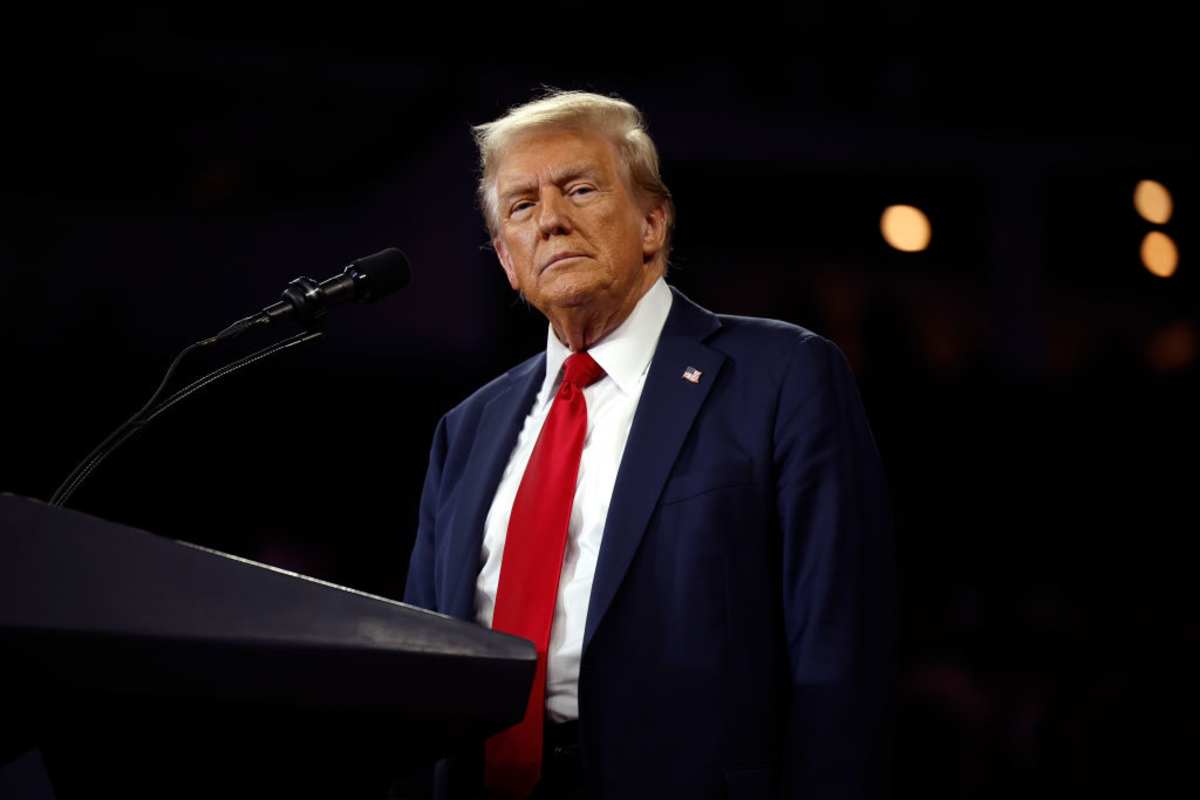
[685, 512]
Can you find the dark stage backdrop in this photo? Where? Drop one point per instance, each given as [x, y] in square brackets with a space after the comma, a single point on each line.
[1032, 387]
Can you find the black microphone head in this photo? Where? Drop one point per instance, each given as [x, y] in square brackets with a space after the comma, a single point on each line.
[379, 274]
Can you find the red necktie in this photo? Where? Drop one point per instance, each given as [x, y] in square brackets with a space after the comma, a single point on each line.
[530, 567]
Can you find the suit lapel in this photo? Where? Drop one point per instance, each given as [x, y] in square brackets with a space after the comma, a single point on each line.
[665, 413]
[499, 426]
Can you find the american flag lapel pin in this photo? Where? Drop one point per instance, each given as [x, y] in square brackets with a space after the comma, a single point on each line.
[692, 374]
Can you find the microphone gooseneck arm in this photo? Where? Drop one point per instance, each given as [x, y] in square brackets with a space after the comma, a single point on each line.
[67, 487]
[149, 411]
[365, 280]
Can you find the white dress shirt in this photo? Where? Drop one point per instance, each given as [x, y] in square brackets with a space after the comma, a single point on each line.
[625, 357]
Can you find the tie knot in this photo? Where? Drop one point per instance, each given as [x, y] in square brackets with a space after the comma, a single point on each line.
[581, 370]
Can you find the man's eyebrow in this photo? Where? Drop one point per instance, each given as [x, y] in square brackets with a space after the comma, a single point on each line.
[564, 174]
[570, 172]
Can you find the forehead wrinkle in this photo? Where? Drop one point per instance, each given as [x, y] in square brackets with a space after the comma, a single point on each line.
[572, 171]
[557, 176]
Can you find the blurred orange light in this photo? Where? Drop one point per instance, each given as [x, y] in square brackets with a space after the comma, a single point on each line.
[1152, 201]
[1174, 347]
[1159, 254]
[905, 228]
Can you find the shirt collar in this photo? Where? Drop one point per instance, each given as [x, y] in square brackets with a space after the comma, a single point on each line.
[624, 354]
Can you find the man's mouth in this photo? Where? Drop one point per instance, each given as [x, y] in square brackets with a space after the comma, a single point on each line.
[559, 257]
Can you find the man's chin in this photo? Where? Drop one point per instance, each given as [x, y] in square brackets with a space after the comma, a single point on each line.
[573, 291]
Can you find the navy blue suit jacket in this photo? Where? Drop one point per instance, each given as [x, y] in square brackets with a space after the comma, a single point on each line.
[740, 633]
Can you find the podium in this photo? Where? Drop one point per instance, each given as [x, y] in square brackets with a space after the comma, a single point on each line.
[142, 666]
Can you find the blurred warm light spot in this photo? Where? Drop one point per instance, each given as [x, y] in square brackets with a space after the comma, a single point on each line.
[1159, 254]
[905, 228]
[1173, 347]
[944, 335]
[1152, 201]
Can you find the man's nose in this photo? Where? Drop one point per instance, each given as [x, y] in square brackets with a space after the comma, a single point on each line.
[554, 217]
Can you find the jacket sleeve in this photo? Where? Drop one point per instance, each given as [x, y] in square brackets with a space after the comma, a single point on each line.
[420, 587]
[839, 583]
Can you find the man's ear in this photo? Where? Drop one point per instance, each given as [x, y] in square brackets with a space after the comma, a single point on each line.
[505, 261]
[654, 231]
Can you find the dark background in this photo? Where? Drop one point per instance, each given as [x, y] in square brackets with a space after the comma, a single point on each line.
[1032, 388]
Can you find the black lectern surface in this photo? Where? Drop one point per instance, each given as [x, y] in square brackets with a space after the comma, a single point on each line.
[144, 666]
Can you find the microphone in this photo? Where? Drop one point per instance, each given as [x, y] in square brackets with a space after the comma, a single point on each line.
[365, 280]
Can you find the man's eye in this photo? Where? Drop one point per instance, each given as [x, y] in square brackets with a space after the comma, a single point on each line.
[519, 207]
[580, 190]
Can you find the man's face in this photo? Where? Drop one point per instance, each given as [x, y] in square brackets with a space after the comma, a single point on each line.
[571, 231]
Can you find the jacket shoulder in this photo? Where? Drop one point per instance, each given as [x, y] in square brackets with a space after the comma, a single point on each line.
[469, 410]
[762, 350]
[762, 338]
